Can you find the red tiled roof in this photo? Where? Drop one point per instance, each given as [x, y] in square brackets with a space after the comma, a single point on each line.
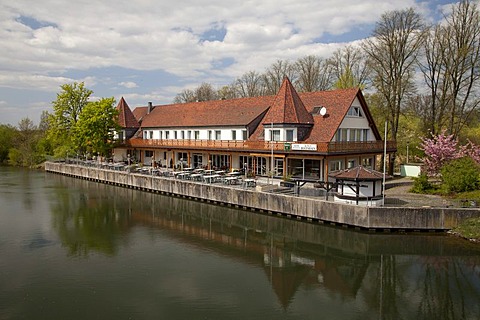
[139, 113]
[358, 173]
[235, 112]
[287, 107]
[243, 111]
[126, 119]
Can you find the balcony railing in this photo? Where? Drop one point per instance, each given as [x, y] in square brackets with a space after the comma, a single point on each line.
[234, 145]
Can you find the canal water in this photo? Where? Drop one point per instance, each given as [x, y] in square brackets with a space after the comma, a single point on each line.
[73, 249]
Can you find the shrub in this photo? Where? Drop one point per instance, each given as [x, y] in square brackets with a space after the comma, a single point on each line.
[421, 184]
[461, 175]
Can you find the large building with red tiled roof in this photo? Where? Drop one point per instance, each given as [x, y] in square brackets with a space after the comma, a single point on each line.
[305, 135]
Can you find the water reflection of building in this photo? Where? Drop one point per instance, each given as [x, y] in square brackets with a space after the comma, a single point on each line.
[288, 262]
[387, 272]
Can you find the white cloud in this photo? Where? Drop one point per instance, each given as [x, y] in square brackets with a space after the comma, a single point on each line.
[43, 42]
[128, 84]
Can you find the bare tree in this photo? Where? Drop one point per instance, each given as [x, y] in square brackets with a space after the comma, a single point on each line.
[274, 75]
[431, 65]
[314, 74]
[350, 63]
[462, 63]
[227, 92]
[185, 96]
[392, 53]
[205, 92]
[250, 85]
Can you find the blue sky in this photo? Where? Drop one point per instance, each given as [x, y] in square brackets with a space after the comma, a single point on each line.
[151, 50]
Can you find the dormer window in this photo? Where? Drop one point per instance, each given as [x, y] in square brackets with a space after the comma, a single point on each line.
[355, 112]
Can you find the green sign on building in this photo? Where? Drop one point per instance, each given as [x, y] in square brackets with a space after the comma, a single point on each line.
[287, 146]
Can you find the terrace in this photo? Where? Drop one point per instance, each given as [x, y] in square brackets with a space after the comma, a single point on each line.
[327, 148]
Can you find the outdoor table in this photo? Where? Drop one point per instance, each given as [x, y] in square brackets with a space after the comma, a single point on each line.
[196, 176]
[211, 178]
[249, 182]
[183, 175]
[231, 180]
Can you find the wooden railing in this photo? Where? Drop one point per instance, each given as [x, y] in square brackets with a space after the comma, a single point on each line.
[234, 145]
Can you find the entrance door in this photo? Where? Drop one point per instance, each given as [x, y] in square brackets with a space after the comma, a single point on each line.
[197, 160]
[261, 167]
[278, 167]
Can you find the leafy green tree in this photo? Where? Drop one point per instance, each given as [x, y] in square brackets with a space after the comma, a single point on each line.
[25, 150]
[66, 111]
[347, 80]
[95, 128]
[7, 137]
[461, 175]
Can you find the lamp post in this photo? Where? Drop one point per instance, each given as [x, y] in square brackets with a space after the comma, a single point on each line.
[408, 145]
[271, 145]
[245, 169]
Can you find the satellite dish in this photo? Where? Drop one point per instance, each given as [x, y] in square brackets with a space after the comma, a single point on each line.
[323, 111]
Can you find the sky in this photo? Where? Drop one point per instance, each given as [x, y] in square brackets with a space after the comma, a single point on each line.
[146, 50]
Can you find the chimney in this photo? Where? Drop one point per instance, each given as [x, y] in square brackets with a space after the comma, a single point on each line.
[150, 107]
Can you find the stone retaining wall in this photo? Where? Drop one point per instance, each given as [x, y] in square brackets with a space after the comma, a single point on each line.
[375, 218]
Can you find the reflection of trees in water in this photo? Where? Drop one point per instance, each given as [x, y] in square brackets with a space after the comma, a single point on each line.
[86, 221]
[382, 270]
[449, 289]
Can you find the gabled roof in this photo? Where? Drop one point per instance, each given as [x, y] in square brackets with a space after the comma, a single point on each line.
[246, 111]
[126, 119]
[235, 112]
[337, 103]
[358, 173]
[287, 108]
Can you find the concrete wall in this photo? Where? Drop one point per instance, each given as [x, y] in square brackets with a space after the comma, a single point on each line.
[302, 207]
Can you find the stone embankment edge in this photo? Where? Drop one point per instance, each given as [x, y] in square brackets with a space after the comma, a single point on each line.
[363, 217]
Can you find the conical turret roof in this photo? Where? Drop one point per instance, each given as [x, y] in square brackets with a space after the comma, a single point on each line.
[126, 119]
[287, 107]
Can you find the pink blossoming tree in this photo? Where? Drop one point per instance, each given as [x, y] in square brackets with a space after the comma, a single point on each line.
[439, 150]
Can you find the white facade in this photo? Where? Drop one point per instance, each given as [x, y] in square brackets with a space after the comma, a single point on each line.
[232, 133]
[355, 126]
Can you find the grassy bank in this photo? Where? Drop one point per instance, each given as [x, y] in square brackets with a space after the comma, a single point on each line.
[470, 229]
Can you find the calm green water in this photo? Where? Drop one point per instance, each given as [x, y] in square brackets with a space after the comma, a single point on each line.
[72, 249]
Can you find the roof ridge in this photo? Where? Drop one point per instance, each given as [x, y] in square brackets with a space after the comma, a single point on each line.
[288, 107]
[126, 119]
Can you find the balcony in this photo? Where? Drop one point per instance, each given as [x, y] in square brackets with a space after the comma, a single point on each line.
[330, 148]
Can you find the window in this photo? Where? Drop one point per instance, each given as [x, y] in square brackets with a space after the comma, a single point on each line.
[350, 163]
[275, 135]
[120, 136]
[244, 135]
[182, 156]
[148, 153]
[218, 135]
[335, 165]
[189, 134]
[367, 162]
[234, 135]
[355, 112]
[161, 134]
[196, 134]
[365, 134]
[175, 134]
[167, 134]
[209, 134]
[182, 134]
[289, 135]
[344, 135]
